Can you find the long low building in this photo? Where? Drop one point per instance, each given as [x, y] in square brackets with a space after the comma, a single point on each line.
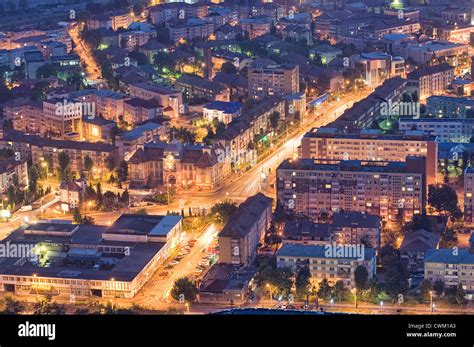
[445, 129]
[371, 144]
[332, 262]
[395, 191]
[452, 268]
[362, 114]
[38, 148]
[88, 260]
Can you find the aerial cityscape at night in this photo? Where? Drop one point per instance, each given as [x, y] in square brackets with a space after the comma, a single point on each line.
[237, 157]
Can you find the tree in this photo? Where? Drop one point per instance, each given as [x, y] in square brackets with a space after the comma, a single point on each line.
[448, 239]
[109, 199]
[419, 221]
[110, 163]
[223, 211]
[443, 198]
[33, 179]
[228, 67]
[324, 290]
[122, 172]
[361, 276]
[303, 282]
[88, 163]
[47, 70]
[438, 287]
[63, 168]
[425, 288]
[184, 288]
[388, 254]
[138, 9]
[139, 57]
[275, 120]
[88, 220]
[339, 291]
[396, 279]
[77, 216]
[460, 295]
[13, 306]
[44, 306]
[100, 197]
[125, 197]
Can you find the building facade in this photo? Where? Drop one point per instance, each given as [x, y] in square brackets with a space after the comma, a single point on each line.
[395, 191]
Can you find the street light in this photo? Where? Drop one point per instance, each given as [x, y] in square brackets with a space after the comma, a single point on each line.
[271, 293]
[187, 307]
[355, 299]
[431, 302]
[381, 305]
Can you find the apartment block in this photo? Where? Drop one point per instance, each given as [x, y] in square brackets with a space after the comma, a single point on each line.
[324, 265]
[38, 148]
[25, 115]
[452, 268]
[371, 144]
[395, 191]
[445, 129]
[239, 239]
[62, 117]
[170, 99]
[273, 80]
[376, 67]
[362, 114]
[191, 29]
[468, 196]
[137, 111]
[430, 80]
[448, 106]
[10, 168]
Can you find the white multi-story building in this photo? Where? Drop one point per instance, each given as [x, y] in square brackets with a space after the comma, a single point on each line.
[323, 263]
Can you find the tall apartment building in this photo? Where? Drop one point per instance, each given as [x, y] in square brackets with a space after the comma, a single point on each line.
[371, 144]
[239, 239]
[268, 80]
[323, 265]
[395, 191]
[430, 80]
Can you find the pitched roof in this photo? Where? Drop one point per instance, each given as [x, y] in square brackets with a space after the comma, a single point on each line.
[419, 241]
[246, 216]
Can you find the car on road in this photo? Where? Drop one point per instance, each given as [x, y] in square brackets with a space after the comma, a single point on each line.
[174, 262]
